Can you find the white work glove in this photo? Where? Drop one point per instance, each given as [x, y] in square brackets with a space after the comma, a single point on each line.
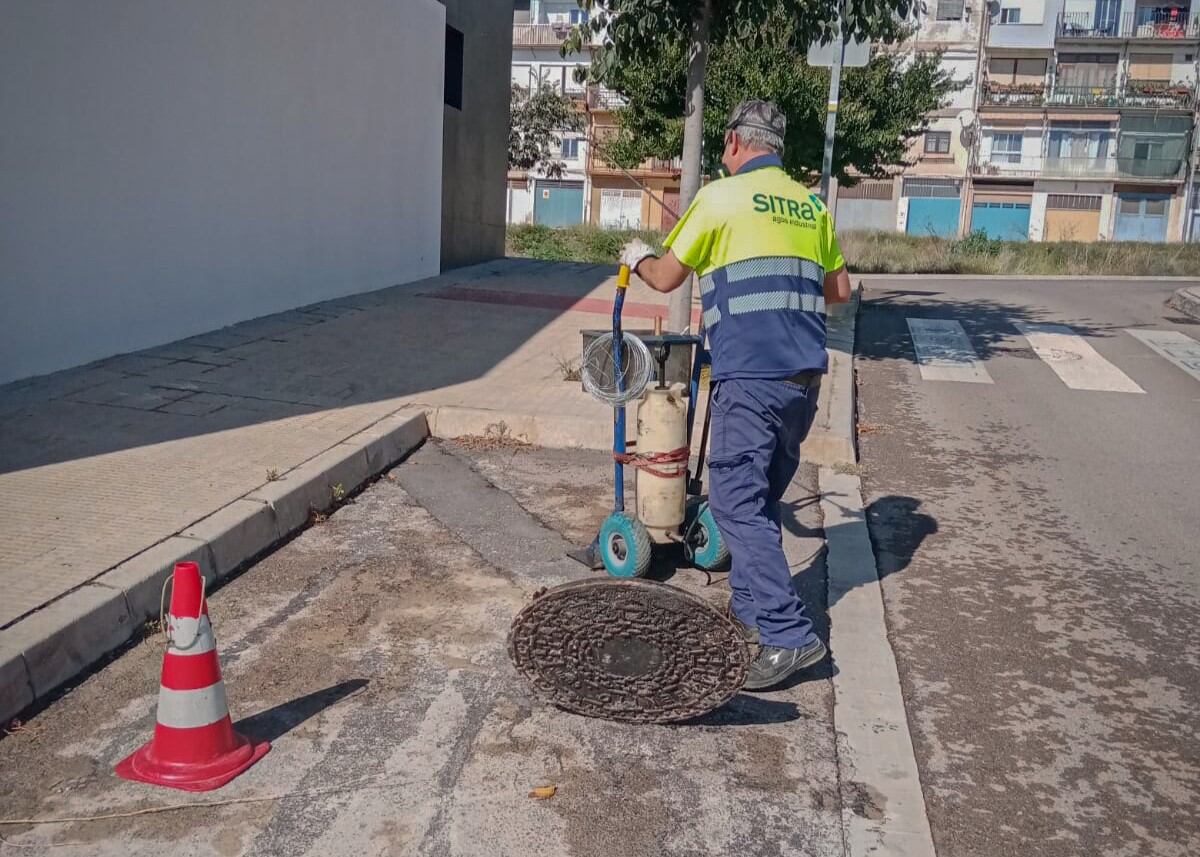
[634, 252]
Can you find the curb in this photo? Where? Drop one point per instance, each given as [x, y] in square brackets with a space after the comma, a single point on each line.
[1187, 301]
[48, 648]
[831, 441]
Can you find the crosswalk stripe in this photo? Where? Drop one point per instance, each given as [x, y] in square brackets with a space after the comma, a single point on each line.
[944, 352]
[1074, 361]
[1180, 349]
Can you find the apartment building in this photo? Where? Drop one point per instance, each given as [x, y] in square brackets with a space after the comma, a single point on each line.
[1086, 121]
[1076, 120]
[926, 198]
[590, 188]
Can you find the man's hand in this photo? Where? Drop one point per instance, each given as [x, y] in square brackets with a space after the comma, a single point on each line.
[837, 286]
[634, 252]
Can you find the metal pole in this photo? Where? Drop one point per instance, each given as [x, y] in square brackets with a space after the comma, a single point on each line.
[835, 85]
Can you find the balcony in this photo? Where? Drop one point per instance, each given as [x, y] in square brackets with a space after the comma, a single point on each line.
[1084, 96]
[1013, 94]
[539, 35]
[1162, 169]
[599, 98]
[1143, 23]
[651, 167]
[1031, 167]
[1158, 94]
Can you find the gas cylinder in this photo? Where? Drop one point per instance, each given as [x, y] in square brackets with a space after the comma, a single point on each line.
[662, 428]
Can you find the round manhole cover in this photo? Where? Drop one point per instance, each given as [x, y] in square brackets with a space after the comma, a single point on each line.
[630, 650]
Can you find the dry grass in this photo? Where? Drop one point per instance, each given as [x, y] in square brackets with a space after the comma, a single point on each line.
[896, 253]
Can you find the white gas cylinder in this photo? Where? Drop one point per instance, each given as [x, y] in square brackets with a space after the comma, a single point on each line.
[662, 428]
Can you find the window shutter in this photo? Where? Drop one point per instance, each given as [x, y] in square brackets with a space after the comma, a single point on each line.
[950, 10]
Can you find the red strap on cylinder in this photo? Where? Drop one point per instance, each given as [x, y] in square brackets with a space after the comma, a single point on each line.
[645, 462]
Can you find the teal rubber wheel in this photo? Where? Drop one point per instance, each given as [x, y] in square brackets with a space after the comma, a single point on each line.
[708, 548]
[624, 546]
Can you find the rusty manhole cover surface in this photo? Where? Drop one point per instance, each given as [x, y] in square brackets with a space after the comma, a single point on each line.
[630, 650]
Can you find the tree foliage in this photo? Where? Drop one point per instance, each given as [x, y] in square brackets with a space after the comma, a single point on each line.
[538, 118]
[636, 29]
[883, 105]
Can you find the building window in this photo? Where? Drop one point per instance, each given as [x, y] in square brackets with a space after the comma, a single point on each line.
[1006, 148]
[950, 10]
[937, 142]
[579, 16]
[1011, 15]
[1144, 150]
[453, 89]
[570, 149]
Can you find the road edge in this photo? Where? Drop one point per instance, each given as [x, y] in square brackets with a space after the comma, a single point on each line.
[53, 645]
[1187, 301]
[883, 805]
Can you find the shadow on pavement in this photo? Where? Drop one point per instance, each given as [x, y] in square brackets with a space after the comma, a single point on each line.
[269, 725]
[369, 347]
[747, 710]
[897, 530]
[989, 324]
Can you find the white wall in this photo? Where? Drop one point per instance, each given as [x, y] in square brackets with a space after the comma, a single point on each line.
[169, 168]
[962, 66]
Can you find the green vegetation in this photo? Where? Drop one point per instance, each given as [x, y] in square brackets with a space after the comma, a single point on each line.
[884, 105]
[896, 253]
[582, 243]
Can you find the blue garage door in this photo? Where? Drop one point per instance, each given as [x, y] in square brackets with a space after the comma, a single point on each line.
[1142, 217]
[1007, 221]
[932, 216]
[558, 203]
[933, 206]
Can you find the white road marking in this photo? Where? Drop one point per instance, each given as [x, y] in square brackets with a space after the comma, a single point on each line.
[1181, 350]
[944, 352]
[1076, 363]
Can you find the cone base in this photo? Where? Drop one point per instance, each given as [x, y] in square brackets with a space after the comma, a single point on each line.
[142, 766]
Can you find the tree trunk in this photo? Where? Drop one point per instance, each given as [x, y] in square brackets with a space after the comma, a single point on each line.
[680, 308]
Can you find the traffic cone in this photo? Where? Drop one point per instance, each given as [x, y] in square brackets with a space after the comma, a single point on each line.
[195, 747]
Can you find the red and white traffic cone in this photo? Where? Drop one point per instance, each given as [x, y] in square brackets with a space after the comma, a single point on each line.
[195, 747]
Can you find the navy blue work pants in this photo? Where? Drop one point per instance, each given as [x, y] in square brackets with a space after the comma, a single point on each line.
[757, 427]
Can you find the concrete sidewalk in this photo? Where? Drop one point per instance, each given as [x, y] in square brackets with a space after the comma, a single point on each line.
[217, 447]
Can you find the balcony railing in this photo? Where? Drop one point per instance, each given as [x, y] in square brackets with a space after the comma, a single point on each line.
[1142, 23]
[650, 166]
[1158, 93]
[1014, 94]
[1150, 168]
[1082, 168]
[539, 35]
[599, 98]
[1084, 96]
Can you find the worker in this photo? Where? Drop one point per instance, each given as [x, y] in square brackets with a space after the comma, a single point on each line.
[768, 261]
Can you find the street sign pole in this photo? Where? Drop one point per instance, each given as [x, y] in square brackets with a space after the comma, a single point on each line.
[835, 85]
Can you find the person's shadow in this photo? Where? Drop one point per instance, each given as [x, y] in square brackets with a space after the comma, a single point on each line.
[896, 529]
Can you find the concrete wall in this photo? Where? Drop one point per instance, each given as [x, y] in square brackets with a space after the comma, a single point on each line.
[475, 139]
[169, 168]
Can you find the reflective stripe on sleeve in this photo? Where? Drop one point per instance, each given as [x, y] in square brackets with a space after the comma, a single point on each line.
[711, 317]
[706, 284]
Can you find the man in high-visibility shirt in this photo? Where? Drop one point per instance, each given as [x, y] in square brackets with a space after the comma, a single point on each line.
[768, 262]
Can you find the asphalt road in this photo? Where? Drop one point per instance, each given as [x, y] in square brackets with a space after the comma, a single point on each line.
[1039, 543]
[371, 651]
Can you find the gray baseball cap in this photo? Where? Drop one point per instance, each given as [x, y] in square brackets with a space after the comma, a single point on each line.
[763, 115]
